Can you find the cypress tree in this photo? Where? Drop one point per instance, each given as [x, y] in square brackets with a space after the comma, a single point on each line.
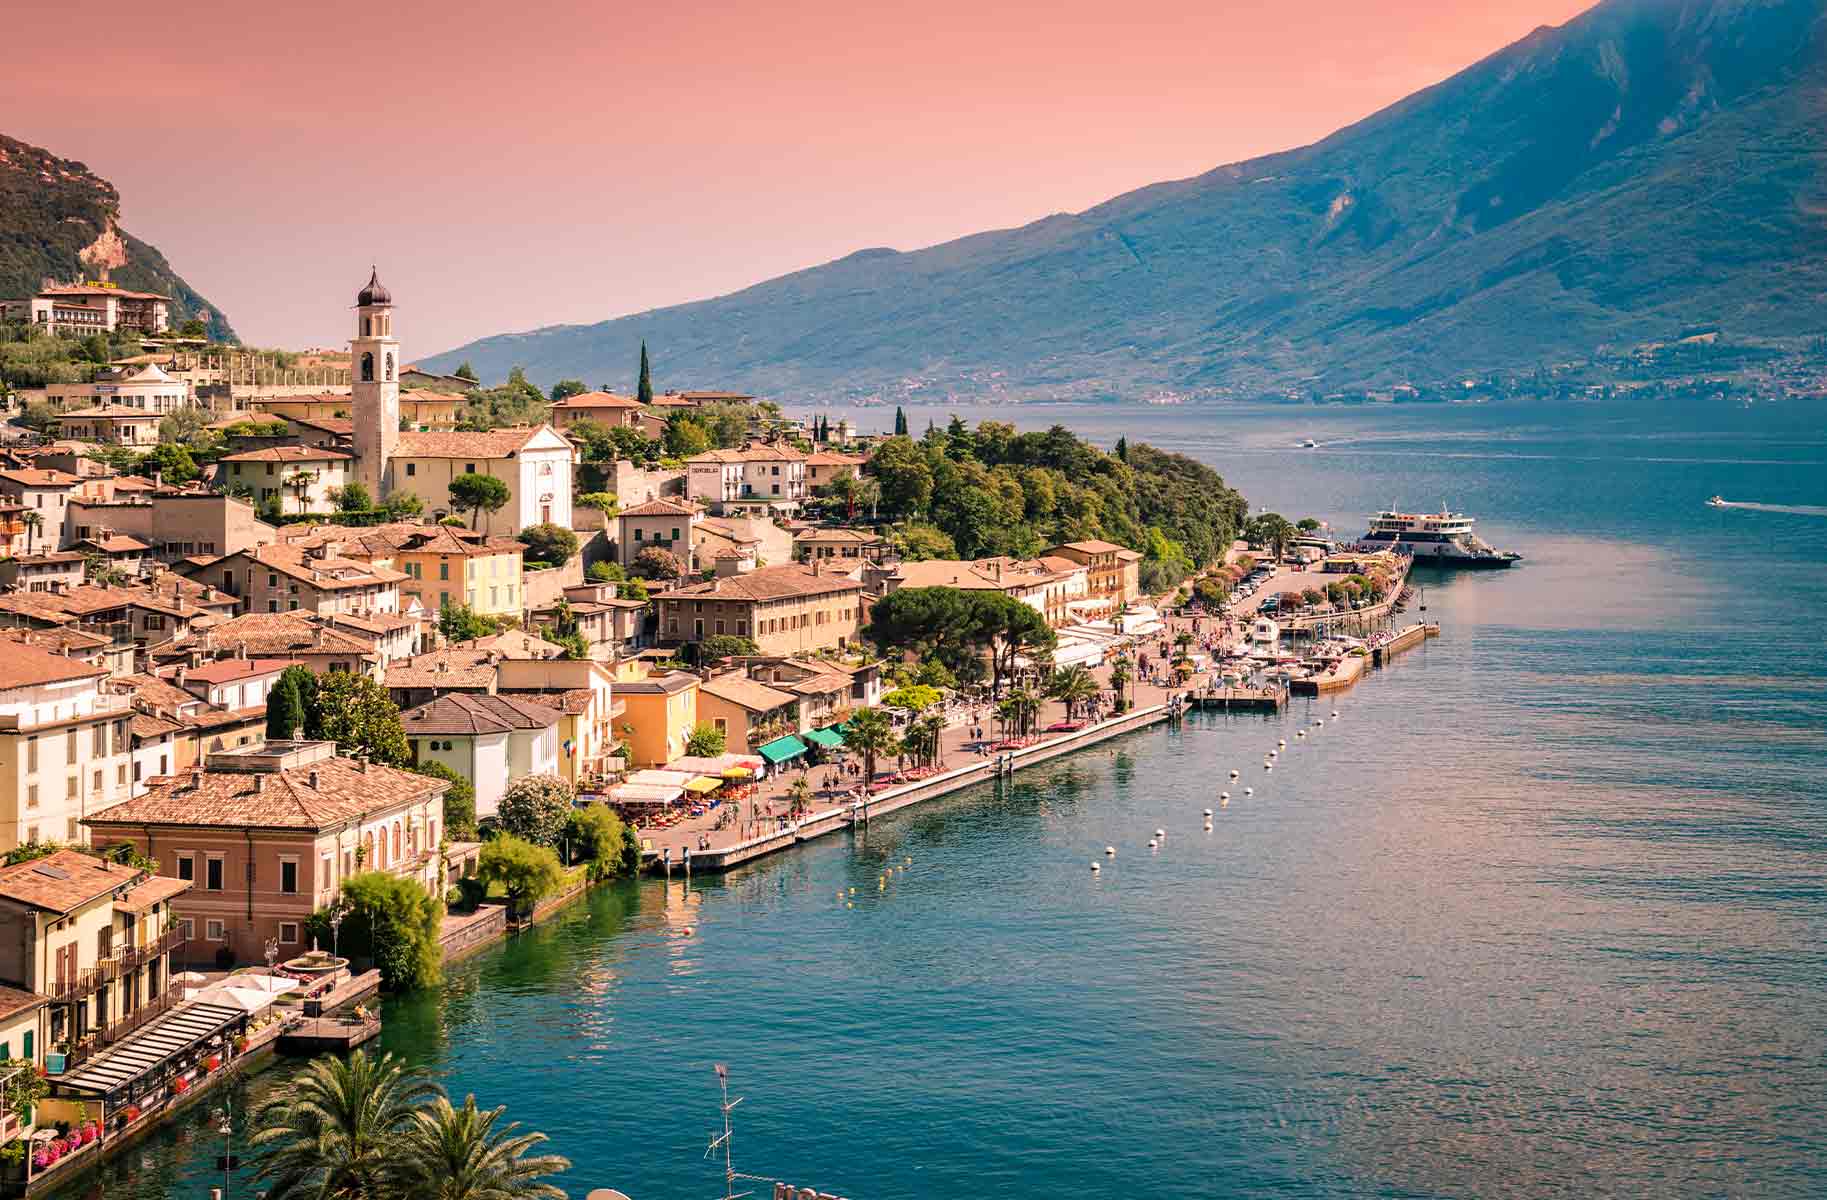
[643, 390]
[285, 716]
[900, 421]
[1122, 448]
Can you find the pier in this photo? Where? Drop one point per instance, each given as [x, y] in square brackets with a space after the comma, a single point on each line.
[1404, 639]
[1238, 699]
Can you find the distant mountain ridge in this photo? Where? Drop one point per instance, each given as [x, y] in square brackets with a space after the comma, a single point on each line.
[1649, 166]
[59, 220]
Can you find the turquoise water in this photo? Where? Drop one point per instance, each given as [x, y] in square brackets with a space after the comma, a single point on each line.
[1541, 914]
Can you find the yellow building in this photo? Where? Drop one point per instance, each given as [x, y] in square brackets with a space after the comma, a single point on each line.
[418, 409]
[658, 714]
[94, 938]
[441, 562]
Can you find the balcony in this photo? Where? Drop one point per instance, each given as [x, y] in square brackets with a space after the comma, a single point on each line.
[105, 705]
[122, 962]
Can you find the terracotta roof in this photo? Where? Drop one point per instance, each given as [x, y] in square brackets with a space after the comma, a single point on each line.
[150, 728]
[326, 574]
[286, 454]
[571, 701]
[14, 1001]
[860, 536]
[749, 454]
[156, 693]
[598, 400]
[496, 443]
[749, 693]
[831, 458]
[1094, 546]
[29, 666]
[63, 880]
[227, 670]
[659, 508]
[117, 543]
[49, 557]
[58, 641]
[40, 477]
[516, 643]
[451, 667]
[273, 799]
[666, 682]
[463, 714]
[979, 574]
[216, 718]
[151, 892]
[765, 583]
[278, 634]
[327, 424]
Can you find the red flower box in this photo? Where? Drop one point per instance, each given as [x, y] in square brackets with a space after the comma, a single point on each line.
[213, 1061]
[180, 1086]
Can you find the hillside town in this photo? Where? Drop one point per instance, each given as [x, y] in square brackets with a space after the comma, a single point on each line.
[279, 636]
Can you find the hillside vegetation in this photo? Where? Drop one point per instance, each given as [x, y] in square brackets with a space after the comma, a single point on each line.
[59, 220]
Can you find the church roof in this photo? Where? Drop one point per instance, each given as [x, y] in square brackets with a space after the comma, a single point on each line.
[495, 443]
[375, 292]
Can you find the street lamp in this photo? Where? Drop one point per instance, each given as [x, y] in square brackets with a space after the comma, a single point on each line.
[336, 925]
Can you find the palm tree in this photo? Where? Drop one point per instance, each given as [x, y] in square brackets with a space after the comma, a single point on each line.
[799, 797]
[1120, 675]
[300, 482]
[335, 1130]
[1020, 708]
[1072, 686]
[453, 1153]
[932, 727]
[33, 523]
[871, 734]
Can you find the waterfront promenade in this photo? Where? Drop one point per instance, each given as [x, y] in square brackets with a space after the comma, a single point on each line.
[970, 749]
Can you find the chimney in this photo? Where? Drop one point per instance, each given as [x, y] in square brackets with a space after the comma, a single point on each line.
[241, 652]
[313, 780]
[178, 678]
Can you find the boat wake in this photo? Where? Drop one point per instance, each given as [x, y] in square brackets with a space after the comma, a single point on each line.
[1800, 510]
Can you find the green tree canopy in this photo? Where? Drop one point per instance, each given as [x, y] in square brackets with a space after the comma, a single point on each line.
[686, 435]
[725, 645]
[392, 921]
[564, 389]
[705, 740]
[356, 713]
[526, 872]
[479, 494]
[548, 543]
[914, 698]
[170, 462]
[459, 798]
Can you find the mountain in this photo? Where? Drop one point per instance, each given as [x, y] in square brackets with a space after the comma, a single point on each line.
[59, 220]
[1650, 166]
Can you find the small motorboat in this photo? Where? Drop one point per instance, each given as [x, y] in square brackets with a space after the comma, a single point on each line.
[1309, 444]
[1716, 502]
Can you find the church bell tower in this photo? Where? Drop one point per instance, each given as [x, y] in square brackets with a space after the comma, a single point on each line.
[374, 365]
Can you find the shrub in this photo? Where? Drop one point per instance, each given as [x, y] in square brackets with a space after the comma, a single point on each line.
[549, 543]
[536, 808]
[394, 923]
[527, 873]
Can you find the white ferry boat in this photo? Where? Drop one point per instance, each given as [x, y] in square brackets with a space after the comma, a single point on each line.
[1442, 538]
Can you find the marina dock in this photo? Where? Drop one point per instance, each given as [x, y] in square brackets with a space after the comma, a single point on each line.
[336, 1035]
[1404, 639]
[1238, 699]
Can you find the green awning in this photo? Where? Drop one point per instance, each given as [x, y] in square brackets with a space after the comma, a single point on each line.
[781, 749]
[830, 739]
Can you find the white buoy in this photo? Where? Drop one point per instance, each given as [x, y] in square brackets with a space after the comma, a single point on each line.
[1224, 795]
[1300, 733]
[1208, 812]
[1096, 867]
[1249, 791]
[1151, 843]
[1268, 766]
[1335, 714]
[1109, 851]
[1274, 754]
[1226, 802]
[1319, 724]
[1233, 774]
[1282, 745]
[1160, 833]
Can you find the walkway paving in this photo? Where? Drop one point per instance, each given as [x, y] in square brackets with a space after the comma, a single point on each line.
[767, 808]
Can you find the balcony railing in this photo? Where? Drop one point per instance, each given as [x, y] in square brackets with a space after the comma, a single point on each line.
[109, 969]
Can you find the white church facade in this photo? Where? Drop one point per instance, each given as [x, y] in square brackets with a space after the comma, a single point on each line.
[534, 463]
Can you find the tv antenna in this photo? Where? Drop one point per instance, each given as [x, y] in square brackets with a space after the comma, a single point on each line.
[722, 1141]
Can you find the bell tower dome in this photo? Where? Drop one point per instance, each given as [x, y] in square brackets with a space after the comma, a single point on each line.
[374, 371]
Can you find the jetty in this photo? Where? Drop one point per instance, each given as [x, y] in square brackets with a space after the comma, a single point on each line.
[1238, 699]
[1341, 675]
[1403, 639]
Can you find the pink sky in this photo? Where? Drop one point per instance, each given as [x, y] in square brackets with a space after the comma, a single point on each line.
[516, 165]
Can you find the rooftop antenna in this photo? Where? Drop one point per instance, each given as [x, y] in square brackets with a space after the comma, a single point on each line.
[722, 1141]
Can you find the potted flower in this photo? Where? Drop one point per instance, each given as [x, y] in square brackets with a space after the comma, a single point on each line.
[133, 1112]
[180, 1085]
[213, 1061]
[241, 1044]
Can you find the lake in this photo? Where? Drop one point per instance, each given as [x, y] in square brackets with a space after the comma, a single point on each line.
[1541, 913]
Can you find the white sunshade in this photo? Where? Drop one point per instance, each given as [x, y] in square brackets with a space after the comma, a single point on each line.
[658, 778]
[271, 984]
[251, 1000]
